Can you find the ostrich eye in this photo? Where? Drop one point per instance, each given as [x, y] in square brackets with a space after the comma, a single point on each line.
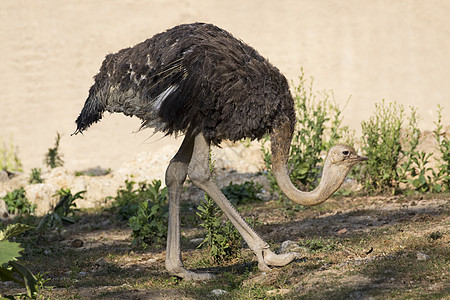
[346, 152]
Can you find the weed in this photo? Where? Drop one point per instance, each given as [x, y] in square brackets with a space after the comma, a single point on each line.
[35, 176]
[53, 158]
[391, 148]
[9, 252]
[319, 244]
[443, 174]
[222, 240]
[420, 180]
[9, 159]
[149, 225]
[318, 118]
[17, 202]
[242, 193]
[63, 209]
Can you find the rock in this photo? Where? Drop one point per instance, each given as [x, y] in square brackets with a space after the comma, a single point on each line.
[100, 262]
[196, 242]
[291, 246]
[422, 256]
[219, 292]
[342, 231]
[3, 176]
[3, 210]
[77, 243]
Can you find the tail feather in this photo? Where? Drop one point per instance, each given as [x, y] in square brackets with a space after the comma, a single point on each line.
[91, 113]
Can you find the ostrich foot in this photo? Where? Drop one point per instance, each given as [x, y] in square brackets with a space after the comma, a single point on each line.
[189, 275]
[279, 260]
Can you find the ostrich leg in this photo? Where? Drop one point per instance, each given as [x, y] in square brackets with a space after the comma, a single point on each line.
[200, 175]
[175, 176]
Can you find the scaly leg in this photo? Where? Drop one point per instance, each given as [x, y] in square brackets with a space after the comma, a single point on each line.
[200, 175]
[175, 177]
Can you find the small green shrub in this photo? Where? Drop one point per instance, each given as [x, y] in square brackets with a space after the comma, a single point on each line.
[35, 176]
[126, 202]
[421, 179]
[63, 209]
[242, 193]
[17, 202]
[318, 128]
[442, 176]
[10, 269]
[222, 239]
[9, 159]
[391, 148]
[149, 225]
[53, 158]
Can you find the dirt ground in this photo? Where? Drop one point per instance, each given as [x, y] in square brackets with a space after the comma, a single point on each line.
[358, 247]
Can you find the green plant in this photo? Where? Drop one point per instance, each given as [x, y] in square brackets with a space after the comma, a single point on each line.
[149, 225]
[442, 176]
[222, 239]
[319, 119]
[10, 269]
[391, 148]
[126, 202]
[421, 179]
[242, 193]
[35, 176]
[53, 158]
[17, 202]
[63, 209]
[319, 244]
[9, 159]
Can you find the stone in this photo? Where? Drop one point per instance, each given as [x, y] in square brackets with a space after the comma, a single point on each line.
[219, 292]
[422, 256]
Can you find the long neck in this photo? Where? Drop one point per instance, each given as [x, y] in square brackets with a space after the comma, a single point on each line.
[280, 143]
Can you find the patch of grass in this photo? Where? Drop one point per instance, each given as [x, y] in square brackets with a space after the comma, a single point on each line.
[9, 157]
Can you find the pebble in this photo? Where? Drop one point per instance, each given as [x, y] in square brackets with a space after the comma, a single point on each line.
[100, 262]
[77, 243]
[219, 292]
[422, 256]
[291, 246]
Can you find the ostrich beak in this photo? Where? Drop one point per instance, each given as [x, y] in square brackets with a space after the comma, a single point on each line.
[361, 158]
[358, 158]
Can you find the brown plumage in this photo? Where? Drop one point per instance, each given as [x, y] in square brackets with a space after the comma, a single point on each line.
[192, 77]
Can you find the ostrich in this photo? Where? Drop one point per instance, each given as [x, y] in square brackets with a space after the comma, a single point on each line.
[200, 81]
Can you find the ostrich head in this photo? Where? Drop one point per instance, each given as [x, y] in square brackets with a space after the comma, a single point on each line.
[339, 161]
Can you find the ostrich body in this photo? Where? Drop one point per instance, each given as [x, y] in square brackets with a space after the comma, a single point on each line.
[200, 81]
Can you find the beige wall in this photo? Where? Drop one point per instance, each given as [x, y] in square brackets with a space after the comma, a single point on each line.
[370, 49]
